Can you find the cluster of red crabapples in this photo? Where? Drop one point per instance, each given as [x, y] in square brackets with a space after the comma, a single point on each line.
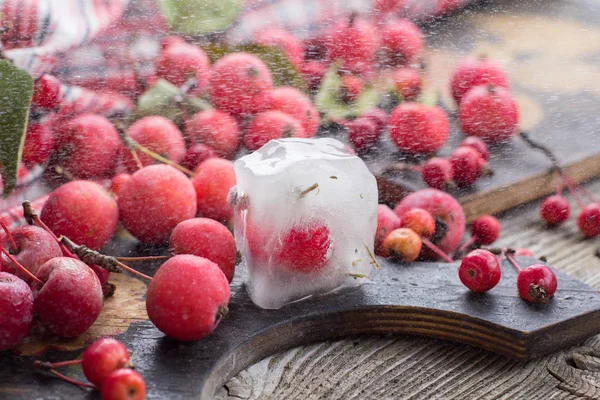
[107, 366]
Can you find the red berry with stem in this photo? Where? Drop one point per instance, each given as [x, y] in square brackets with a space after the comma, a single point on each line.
[387, 221]
[351, 87]
[437, 173]
[284, 40]
[271, 125]
[197, 309]
[88, 146]
[417, 128]
[46, 92]
[195, 155]
[313, 72]
[103, 357]
[555, 209]
[378, 117]
[154, 201]
[70, 299]
[402, 244]
[39, 142]
[472, 72]
[214, 178]
[117, 182]
[34, 246]
[478, 144]
[589, 220]
[537, 283]
[179, 62]
[489, 112]
[485, 229]
[362, 133]
[206, 238]
[407, 82]
[155, 133]
[123, 384]
[354, 41]
[238, 82]
[305, 248]
[16, 310]
[83, 211]
[420, 221]
[215, 129]
[402, 42]
[466, 165]
[296, 104]
[479, 271]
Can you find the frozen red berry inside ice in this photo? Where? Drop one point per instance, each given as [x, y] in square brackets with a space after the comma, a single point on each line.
[489, 112]
[437, 173]
[378, 117]
[479, 271]
[354, 41]
[117, 182]
[478, 144]
[537, 283]
[407, 82]
[46, 92]
[181, 61]
[589, 220]
[417, 128]
[555, 209]
[39, 142]
[154, 201]
[351, 87]
[305, 247]
[402, 244]
[83, 211]
[402, 41]
[467, 165]
[271, 125]
[206, 238]
[362, 133]
[387, 221]
[70, 299]
[214, 178]
[420, 221]
[312, 72]
[288, 43]
[103, 357]
[472, 72]
[296, 104]
[123, 384]
[187, 297]
[217, 130]
[195, 155]
[16, 310]
[238, 83]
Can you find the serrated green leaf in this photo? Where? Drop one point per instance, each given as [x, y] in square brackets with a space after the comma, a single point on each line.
[196, 17]
[160, 99]
[328, 99]
[15, 101]
[282, 70]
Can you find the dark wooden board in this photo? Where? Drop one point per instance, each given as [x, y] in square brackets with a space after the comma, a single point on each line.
[423, 299]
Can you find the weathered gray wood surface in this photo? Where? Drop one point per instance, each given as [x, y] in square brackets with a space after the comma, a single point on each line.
[417, 368]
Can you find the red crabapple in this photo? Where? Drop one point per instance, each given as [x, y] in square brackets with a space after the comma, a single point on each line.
[353, 40]
[313, 72]
[281, 38]
[362, 133]
[489, 112]
[123, 384]
[39, 142]
[117, 182]
[479, 271]
[478, 144]
[417, 128]
[402, 42]
[46, 92]
[315, 48]
[295, 103]
[205, 237]
[402, 244]
[304, 248]
[420, 221]
[387, 221]
[485, 230]
[181, 61]
[437, 173]
[271, 125]
[201, 301]
[35, 246]
[589, 220]
[555, 209]
[379, 118]
[103, 357]
[170, 41]
[467, 165]
[536, 283]
[351, 87]
[154, 201]
[83, 211]
[215, 129]
[155, 133]
[16, 310]
[195, 155]
[70, 299]
[238, 82]
[214, 178]
[472, 72]
[88, 146]
[407, 82]
[442, 206]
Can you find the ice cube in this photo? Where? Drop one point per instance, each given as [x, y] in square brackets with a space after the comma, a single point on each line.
[305, 219]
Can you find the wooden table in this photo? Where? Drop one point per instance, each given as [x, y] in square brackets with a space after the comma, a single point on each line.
[417, 368]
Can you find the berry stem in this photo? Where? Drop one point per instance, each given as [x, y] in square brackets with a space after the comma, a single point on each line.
[147, 258]
[90, 256]
[136, 158]
[512, 260]
[71, 381]
[33, 219]
[45, 365]
[466, 245]
[583, 190]
[572, 189]
[436, 250]
[10, 237]
[20, 267]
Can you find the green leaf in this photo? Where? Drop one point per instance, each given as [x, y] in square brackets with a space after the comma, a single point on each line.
[161, 99]
[282, 70]
[17, 88]
[196, 17]
[328, 99]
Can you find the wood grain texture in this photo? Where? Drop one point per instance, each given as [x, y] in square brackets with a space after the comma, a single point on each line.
[417, 368]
